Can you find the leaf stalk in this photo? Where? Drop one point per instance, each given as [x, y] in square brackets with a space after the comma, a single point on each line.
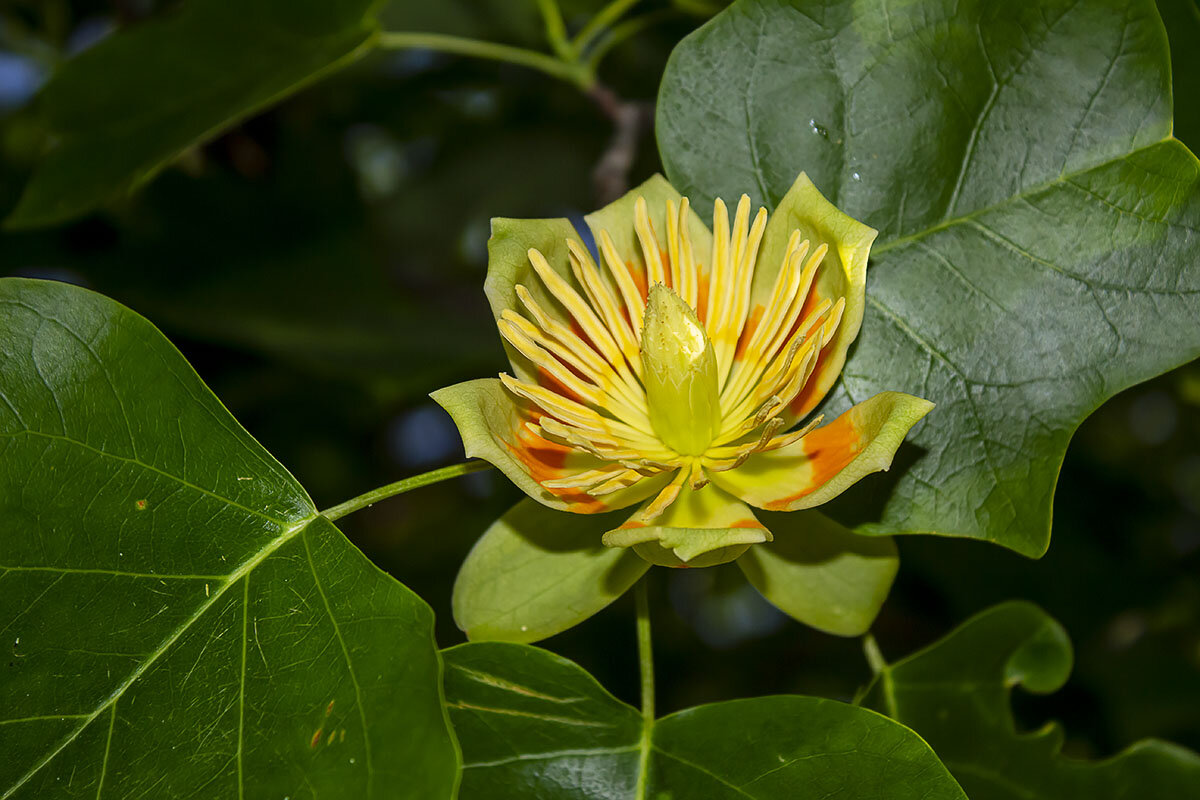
[400, 487]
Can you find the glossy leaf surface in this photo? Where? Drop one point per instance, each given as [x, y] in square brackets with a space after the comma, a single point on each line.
[1037, 250]
[178, 615]
[533, 724]
[955, 693]
[125, 108]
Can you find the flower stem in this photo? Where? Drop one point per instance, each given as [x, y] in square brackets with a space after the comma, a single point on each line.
[400, 487]
[571, 72]
[646, 664]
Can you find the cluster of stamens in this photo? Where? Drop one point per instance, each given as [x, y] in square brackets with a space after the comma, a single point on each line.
[601, 388]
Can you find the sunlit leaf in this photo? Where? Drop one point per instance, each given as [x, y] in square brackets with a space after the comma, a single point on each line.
[533, 724]
[1037, 250]
[178, 614]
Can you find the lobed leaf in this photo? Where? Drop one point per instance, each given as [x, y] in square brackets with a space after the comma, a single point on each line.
[955, 693]
[1038, 247]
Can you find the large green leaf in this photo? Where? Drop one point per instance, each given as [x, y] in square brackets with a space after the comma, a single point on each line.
[955, 693]
[1038, 246]
[181, 620]
[122, 110]
[533, 724]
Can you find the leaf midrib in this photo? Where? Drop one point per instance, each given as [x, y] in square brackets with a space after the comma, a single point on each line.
[243, 570]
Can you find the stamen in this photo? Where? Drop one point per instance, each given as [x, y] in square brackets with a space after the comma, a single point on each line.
[634, 301]
[618, 400]
[622, 481]
[540, 357]
[578, 308]
[655, 273]
[788, 438]
[689, 278]
[585, 479]
[664, 499]
[717, 291]
[605, 302]
[744, 265]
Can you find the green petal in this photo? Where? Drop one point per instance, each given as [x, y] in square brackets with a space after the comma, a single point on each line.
[822, 574]
[843, 273]
[491, 424]
[537, 572]
[700, 529]
[508, 266]
[829, 460]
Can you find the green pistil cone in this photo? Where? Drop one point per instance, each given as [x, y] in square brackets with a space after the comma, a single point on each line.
[680, 374]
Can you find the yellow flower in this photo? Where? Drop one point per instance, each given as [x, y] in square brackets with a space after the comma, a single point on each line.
[674, 370]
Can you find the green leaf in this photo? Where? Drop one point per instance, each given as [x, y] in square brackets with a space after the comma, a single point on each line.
[122, 110]
[537, 572]
[1037, 249]
[178, 614]
[955, 693]
[821, 574]
[533, 724]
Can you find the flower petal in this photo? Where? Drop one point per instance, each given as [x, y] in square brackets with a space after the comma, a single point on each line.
[509, 266]
[822, 574]
[536, 572]
[492, 425]
[827, 461]
[843, 273]
[701, 528]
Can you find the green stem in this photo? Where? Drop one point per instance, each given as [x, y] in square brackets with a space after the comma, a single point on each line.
[625, 30]
[604, 18]
[874, 656]
[400, 487]
[574, 73]
[646, 664]
[556, 30]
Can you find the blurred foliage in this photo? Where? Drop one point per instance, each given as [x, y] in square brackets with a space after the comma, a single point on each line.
[321, 265]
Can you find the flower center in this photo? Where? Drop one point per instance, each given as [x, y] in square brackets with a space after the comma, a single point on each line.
[680, 374]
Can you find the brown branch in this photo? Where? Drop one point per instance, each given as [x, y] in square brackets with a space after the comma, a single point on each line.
[631, 120]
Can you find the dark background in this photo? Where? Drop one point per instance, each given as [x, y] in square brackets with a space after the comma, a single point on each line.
[321, 266]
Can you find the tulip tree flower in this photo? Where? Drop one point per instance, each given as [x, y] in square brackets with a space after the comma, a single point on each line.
[673, 377]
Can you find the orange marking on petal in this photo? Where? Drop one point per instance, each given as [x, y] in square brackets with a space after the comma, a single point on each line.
[545, 460]
[639, 278]
[829, 450]
[702, 298]
[746, 523]
[748, 332]
[633, 523]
